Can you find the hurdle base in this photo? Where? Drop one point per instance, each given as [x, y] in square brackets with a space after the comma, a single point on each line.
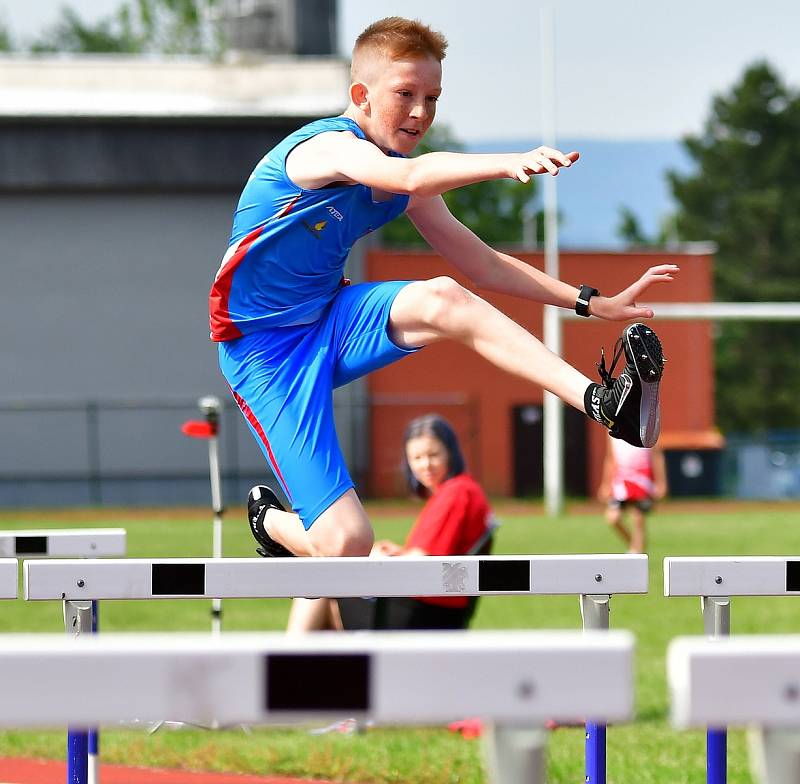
[515, 755]
[775, 755]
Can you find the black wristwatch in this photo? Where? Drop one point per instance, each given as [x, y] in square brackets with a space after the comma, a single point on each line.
[582, 303]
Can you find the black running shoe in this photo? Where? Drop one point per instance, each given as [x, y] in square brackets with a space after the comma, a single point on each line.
[259, 499]
[628, 405]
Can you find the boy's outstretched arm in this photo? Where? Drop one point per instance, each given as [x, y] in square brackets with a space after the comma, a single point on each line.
[502, 273]
[339, 156]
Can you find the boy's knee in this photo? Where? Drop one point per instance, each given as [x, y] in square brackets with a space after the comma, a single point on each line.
[346, 543]
[443, 297]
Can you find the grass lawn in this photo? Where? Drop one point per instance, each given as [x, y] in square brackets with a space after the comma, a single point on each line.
[646, 751]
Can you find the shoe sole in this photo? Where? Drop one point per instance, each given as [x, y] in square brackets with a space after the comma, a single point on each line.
[643, 351]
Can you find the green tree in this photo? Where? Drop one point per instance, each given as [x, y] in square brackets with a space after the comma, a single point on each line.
[494, 210]
[6, 39]
[137, 26]
[630, 231]
[745, 196]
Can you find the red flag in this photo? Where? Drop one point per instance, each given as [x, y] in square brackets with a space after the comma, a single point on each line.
[196, 428]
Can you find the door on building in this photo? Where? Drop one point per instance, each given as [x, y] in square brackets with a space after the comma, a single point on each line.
[528, 445]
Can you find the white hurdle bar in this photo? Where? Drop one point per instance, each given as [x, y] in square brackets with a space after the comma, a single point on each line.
[516, 680]
[9, 578]
[63, 542]
[732, 576]
[746, 680]
[224, 578]
[715, 579]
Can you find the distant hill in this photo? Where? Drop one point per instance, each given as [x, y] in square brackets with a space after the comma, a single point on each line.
[610, 174]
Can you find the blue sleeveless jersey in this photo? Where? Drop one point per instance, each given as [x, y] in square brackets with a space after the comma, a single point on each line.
[288, 246]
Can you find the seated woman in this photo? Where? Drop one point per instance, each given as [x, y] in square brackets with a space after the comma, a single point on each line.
[456, 520]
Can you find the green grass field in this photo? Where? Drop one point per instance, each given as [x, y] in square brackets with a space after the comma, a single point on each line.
[646, 751]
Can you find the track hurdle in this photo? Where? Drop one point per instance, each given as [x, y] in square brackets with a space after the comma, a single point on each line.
[595, 578]
[63, 543]
[69, 543]
[747, 680]
[715, 580]
[394, 678]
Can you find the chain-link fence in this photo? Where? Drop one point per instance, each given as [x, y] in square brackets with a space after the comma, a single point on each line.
[119, 453]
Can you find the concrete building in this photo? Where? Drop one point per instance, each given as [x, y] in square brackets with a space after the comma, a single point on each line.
[118, 181]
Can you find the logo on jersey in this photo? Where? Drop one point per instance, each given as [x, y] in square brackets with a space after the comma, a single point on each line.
[336, 214]
[315, 228]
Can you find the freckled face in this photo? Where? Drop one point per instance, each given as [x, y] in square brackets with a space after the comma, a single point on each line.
[428, 460]
[402, 100]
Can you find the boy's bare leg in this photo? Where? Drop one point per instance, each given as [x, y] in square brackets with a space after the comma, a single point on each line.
[310, 615]
[426, 311]
[614, 519]
[638, 531]
[342, 529]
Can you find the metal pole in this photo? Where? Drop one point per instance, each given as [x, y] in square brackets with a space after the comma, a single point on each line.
[595, 611]
[77, 619]
[553, 408]
[211, 407]
[93, 740]
[716, 623]
[515, 755]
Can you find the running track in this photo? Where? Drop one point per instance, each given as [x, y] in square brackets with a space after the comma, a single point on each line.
[27, 771]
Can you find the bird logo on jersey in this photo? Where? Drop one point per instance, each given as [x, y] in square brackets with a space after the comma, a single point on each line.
[315, 228]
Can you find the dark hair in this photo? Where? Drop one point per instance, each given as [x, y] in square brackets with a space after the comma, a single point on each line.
[438, 427]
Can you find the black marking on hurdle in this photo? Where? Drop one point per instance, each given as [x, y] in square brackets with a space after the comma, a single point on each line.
[178, 579]
[504, 575]
[318, 682]
[30, 545]
[793, 575]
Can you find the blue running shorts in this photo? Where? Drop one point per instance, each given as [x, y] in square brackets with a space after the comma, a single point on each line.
[283, 381]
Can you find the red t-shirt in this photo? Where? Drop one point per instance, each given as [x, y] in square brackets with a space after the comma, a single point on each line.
[452, 521]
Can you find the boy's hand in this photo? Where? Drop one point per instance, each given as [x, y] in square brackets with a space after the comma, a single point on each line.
[623, 307]
[540, 161]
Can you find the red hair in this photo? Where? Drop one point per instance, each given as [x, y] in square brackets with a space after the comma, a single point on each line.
[398, 38]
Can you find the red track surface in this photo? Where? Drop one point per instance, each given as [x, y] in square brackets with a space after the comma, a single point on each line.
[27, 771]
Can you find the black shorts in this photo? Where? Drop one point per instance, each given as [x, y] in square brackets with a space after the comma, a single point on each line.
[404, 613]
[642, 504]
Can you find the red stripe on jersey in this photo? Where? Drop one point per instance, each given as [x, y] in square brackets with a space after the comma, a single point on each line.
[251, 418]
[222, 326]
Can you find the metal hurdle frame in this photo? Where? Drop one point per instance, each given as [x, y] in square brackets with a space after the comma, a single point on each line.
[595, 578]
[745, 680]
[395, 677]
[69, 543]
[715, 580]
[9, 578]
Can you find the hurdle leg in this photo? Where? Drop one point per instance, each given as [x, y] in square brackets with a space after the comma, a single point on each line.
[515, 755]
[216, 503]
[716, 623]
[78, 617]
[775, 755]
[595, 610]
[94, 734]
